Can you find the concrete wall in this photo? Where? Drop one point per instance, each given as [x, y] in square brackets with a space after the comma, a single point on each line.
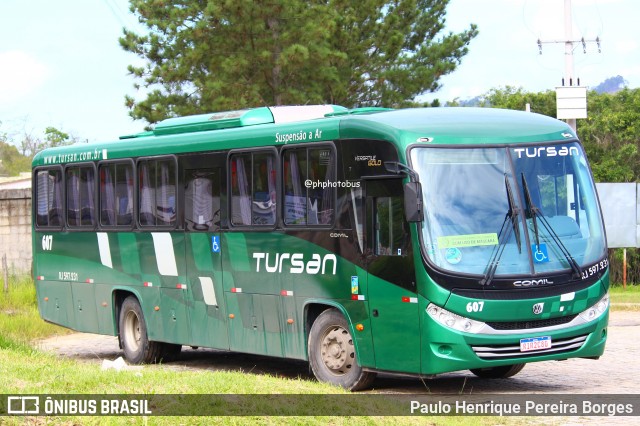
[15, 229]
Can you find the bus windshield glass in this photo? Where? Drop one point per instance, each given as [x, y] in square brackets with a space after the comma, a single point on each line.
[516, 210]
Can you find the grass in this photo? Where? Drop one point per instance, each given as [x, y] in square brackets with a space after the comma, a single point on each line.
[19, 317]
[625, 299]
[34, 372]
[42, 373]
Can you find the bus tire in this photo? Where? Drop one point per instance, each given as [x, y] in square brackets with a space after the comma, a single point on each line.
[137, 347]
[501, 372]
[332, 355]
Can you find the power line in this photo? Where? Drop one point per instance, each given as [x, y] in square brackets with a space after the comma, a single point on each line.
[117, 12]
[569, 44]
[572, 102]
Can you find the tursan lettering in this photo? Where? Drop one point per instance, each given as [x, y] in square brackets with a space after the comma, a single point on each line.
[547, 151]
[295, 263]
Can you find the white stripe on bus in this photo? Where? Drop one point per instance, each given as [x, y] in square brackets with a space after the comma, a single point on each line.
[105, 249]
[165, 257]
[208, 291]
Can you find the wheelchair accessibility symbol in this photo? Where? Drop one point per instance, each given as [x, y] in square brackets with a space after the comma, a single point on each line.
[540, 253]
[215, 244]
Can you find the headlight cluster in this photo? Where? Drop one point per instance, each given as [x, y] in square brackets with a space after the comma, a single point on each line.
[596, 310]
[451, 320]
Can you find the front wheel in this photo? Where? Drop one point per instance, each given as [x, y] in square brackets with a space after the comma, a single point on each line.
[137, 347]
[332, 354]
[501, 372]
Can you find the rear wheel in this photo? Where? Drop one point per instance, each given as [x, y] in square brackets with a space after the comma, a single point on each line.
[332, 354]
[137, 347]
[501, 372]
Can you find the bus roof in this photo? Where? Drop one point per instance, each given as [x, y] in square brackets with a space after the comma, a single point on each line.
[239, 118]
[291, 125]
[458, 126]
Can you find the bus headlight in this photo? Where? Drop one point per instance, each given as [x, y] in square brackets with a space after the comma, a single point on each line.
[451, 320]
[596, 310]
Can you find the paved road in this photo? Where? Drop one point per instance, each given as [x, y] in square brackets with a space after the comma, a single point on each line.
[615, 372]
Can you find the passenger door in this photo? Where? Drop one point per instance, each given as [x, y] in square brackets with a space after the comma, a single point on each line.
[393, 302]
[204, 257]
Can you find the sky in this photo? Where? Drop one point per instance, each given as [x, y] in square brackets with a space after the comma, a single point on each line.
[61, 64]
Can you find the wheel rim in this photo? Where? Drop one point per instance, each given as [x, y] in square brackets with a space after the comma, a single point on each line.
[337, 350]
[132, 331]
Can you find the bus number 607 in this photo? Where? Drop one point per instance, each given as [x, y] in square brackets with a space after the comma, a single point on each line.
[475, 306]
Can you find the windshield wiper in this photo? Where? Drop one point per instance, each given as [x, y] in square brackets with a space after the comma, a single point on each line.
[534, 213]
[512, 214]
[531, 210]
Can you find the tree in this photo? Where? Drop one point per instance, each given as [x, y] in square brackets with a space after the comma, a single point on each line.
[11, 161]
[611, 135]
[517, 98]
[206, 55]
[31, 144]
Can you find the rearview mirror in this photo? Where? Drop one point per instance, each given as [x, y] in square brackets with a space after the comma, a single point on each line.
[393, 167]
[413, 201]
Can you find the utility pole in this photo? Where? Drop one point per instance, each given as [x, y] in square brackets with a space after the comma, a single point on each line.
[568, 53]
[571, 97]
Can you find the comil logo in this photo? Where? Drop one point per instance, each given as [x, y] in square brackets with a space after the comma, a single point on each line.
[529, 283]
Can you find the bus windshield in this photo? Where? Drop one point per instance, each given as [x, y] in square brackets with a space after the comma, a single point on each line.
[523, 209]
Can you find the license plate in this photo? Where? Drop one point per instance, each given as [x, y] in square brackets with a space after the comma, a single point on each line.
[535, 343]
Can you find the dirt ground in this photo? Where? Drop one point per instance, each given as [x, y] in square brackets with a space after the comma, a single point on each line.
[615, 372]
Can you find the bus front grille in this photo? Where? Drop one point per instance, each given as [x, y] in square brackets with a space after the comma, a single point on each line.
[513, 350]
[525, 325]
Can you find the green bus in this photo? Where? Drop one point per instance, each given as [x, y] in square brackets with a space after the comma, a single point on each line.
[411, 241]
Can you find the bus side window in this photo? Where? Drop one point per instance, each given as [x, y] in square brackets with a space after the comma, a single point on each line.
[116, 194]
[309, 186]
[263, 205]
[157, 192]
[202, 200]
[81, 211]
[49, 198]
[253, 188]
[295, 174]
